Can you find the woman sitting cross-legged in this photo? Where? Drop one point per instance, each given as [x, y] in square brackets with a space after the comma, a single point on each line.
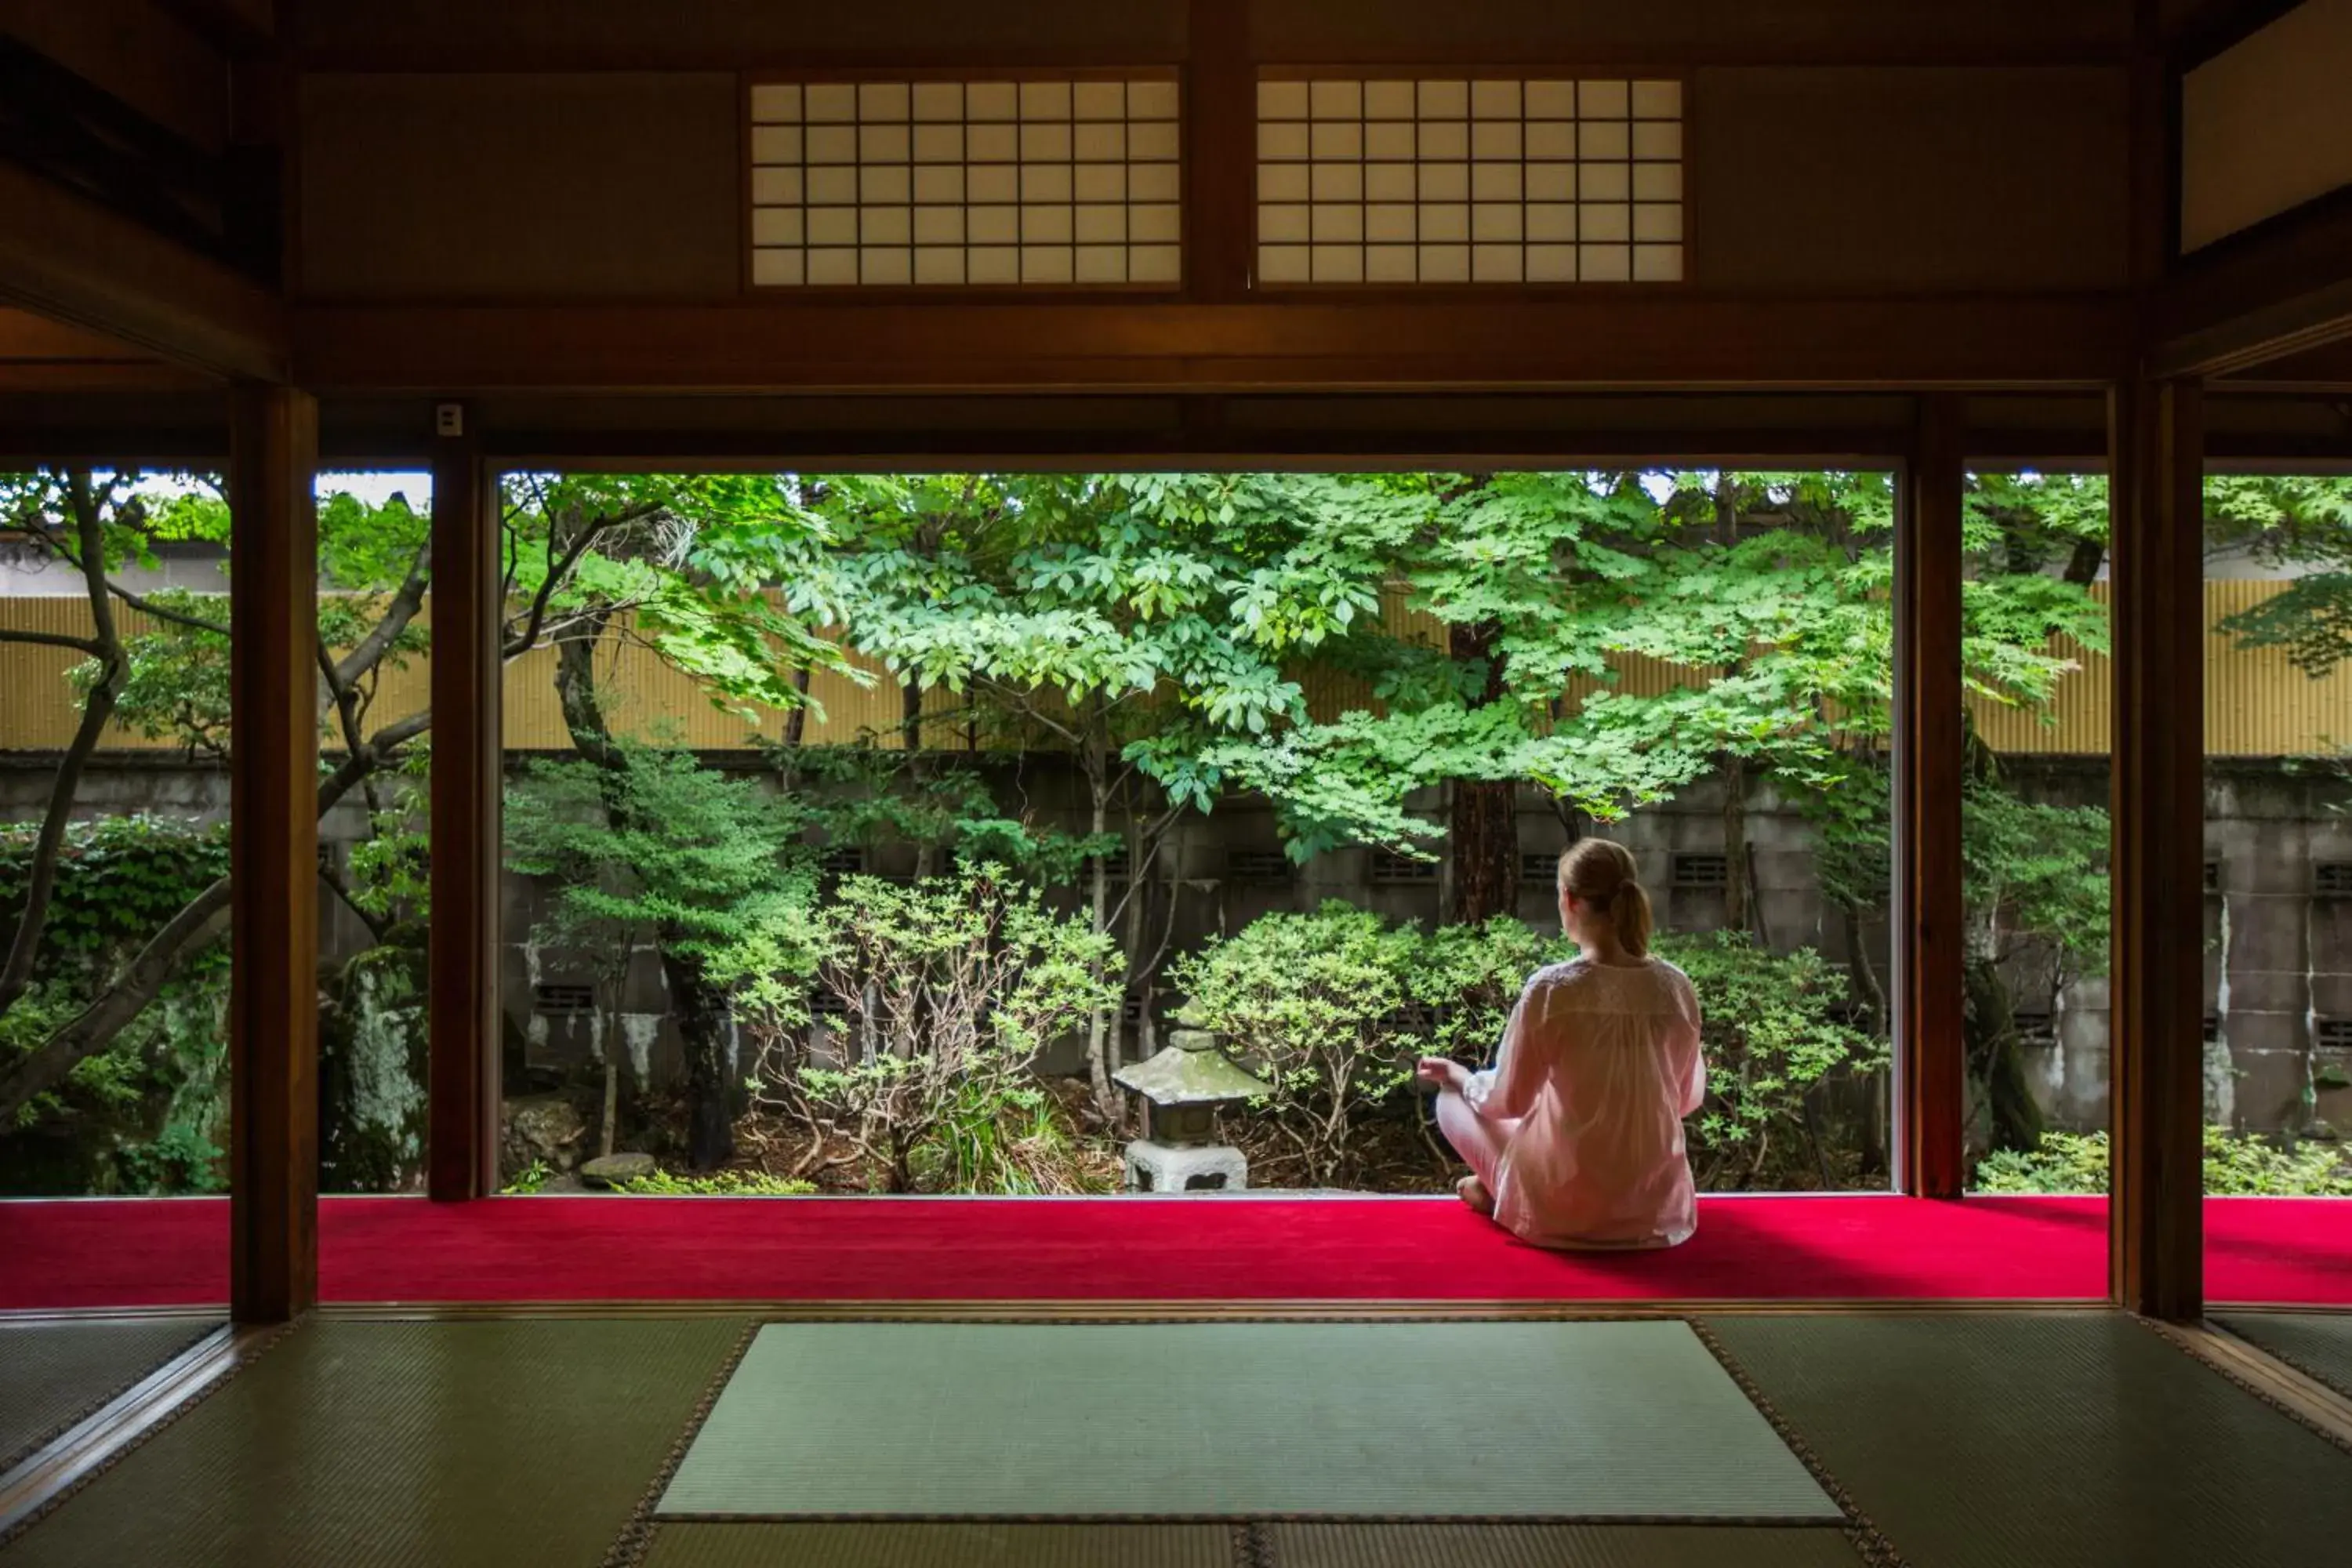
[1575, 1135]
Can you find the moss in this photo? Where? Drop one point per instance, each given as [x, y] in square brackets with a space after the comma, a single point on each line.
[372, 1070]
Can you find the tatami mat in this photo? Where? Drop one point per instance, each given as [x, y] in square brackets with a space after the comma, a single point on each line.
[403, 1446]
[2078, 1440]
[1007, 1545]
[941, 1545]
[2318, 1345]
[1555, 1546]
[1560, 1420]
[54, 1373]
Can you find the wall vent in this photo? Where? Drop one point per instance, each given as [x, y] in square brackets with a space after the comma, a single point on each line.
[1392, 870]
[2331, 879]
[1701, 871]
[1538, 867]
[1257, 865]
[563, 1001]
[845, 860]
[2334, 1034]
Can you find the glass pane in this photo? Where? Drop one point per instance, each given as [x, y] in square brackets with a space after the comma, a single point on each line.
[2034, 831]
[955, 833]
[374, 629]
[114, 843]
[2278, 877]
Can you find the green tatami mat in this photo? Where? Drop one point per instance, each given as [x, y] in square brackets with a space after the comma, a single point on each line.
[2073, 1440]
[52, 1374]
[1555, 1546]
[404, 1445]
[965, 1545]
[1561, 1420]
[2318, 1345]
[1005, 1545]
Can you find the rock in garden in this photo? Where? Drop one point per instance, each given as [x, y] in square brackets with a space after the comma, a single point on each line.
[611, 1170]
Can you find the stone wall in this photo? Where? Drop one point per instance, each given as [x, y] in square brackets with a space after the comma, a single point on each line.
[2278, 918]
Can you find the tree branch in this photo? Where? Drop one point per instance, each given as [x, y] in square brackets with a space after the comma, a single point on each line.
[149, 607]
[559, 570]
[366, 758]
[405, 601]
[339, 885]
[193, 929]
[98, 708]
[88, 646]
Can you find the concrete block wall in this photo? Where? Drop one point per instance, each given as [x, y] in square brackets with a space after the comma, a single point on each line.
[2278, 960]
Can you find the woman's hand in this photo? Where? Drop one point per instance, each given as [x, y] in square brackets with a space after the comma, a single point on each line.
[1442, 1072]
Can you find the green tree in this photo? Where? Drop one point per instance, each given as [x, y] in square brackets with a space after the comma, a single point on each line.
[1133, 621]
[681, 567]
[648, 845]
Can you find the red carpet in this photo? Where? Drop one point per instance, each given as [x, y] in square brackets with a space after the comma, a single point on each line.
[89, 1253]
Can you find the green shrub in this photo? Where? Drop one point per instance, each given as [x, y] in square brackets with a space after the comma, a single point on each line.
[2236, 1165]
[1775, 1030]
[942, 992]
[718, 1184]
[1316, 1005]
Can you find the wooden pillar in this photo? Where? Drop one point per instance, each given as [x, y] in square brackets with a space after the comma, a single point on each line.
[274, 855]
[1930, 1076]
[462, 1144]
[1221, 156]
[2156, 474]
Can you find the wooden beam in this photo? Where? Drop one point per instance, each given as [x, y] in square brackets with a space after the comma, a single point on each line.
[1625, 340]
[1930, 1073]
[1220, 159]
[462, 1145]
[2279, 289]
[234, 27]
[64, 257]
[274, 856]
[2155, 1074]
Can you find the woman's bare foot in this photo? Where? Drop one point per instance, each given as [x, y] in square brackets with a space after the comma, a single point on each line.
[1473, 1192]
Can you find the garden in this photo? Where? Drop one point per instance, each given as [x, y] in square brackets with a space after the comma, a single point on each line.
[863, 831]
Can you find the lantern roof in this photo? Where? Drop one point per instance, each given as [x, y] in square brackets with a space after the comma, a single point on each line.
[1189, 1070]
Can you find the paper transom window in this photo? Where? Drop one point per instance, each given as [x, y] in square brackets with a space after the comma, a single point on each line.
[1469, 181]
[1064, 182]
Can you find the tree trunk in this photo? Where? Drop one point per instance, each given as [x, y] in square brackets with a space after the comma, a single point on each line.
[1138, 897]
[1997, 1059]
[1736, 890]
[701, 1012]
[1097, 1029]
[919, 768]
[698, 1008]
[1873, 993]
[1483, 830]
[796, 721]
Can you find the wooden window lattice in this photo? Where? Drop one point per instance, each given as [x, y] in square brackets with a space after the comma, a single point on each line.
[1469, 181]
[1057, 181]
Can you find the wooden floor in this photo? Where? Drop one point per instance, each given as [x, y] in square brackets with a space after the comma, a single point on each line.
[2067, 1439]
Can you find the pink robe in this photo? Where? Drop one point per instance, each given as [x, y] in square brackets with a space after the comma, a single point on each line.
[1577, 1130]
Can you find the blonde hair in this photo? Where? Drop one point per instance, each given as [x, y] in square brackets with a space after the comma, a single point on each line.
[1601, 874]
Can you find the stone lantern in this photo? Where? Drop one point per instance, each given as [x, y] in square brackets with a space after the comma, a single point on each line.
[1181, 1087]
